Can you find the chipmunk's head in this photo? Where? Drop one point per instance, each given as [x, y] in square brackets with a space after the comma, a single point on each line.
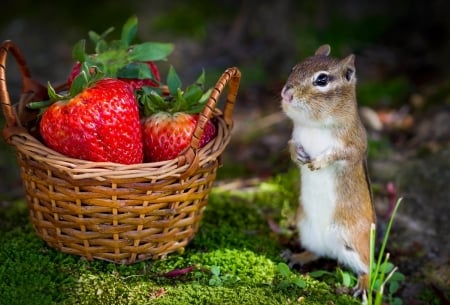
[320, 87]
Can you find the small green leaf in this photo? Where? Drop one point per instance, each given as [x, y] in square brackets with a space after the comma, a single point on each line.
[215, 270]
[377, 284]
[94, 37]
[129, 30]
[118, 45]
[157, 99]
[52, 93]
[99, 40]
[152, 90]
[398, 277]
[284, 269]
[319, 273]
[299, 283]
[180, 103]
[193, 94]
[201, 79]
[393, 287]
[204, 98]
[79, 51]
[101, 46]
[173, 81]
[215, 281]
[136, 71]
[150, 51]
[79, 83]
[346, 279]
[153, 103]
[387, 267]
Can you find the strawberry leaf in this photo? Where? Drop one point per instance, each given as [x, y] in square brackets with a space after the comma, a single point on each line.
[99, 40]
[129, 30]
[79, 83]
[173, 81]
[204, 98]
[136, 71]
[101, 46]
[151, 101]
[180, 102]
[79, 51]
[152, 90]
[114, 57]
[201, 79]
[150, 51]
[193, 93]
[191, 101]
[53, 95]
[157, 99]
[94, 37]
[117, 46]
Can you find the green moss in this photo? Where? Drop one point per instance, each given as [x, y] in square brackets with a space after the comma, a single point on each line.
[30, 273]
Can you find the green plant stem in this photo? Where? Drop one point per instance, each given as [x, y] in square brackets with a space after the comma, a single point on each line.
[372, 259]
[383, 245]
[379, 294]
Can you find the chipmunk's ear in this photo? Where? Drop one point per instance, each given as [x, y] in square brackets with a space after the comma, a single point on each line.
[348, 66]
[323, 50]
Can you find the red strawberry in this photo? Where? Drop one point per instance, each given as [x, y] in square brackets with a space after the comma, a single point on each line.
[167, 135]
[101, 123]
[172, 117]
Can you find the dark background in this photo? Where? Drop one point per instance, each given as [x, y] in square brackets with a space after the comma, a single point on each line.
[405, 42]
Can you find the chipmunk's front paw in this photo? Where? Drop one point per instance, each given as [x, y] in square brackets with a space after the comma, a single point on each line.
[316, 164]
[319, 162]
[298, 154]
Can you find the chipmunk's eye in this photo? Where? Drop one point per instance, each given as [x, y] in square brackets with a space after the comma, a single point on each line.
[321, 80]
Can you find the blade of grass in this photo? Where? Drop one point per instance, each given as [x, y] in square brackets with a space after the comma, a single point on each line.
[372, 259]
[383, 245]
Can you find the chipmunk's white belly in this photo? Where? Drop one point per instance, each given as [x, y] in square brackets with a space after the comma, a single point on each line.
[317, 228]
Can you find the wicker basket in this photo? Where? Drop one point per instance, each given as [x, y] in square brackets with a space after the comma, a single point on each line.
[109, 211]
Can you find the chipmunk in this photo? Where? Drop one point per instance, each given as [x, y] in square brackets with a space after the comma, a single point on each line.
[329, 145]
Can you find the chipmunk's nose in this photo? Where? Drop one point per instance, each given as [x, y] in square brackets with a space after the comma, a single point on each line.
[287, 93]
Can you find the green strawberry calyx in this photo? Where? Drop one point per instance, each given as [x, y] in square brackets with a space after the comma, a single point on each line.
[114, 59]
[86, 78]
[120, 58]
[192, 100]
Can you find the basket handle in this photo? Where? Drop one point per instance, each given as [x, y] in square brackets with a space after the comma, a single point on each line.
[232, 77]
[30, 90]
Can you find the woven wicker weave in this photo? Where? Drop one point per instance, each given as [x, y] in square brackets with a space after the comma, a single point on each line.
[109, 211]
